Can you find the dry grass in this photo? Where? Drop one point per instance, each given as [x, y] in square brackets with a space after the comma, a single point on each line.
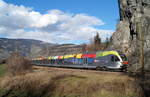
[58, 82]
[17, 64]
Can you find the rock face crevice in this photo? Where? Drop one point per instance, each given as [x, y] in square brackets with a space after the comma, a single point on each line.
[134, 23]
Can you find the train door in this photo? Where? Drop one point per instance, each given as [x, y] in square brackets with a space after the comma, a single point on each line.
[85, 62]
[74, 60]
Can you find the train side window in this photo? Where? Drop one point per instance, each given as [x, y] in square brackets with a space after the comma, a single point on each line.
[112, 58]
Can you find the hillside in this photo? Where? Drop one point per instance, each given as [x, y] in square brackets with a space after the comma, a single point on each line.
[35, 48]
[27, 47]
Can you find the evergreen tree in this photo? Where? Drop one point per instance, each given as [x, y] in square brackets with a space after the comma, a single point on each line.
[97, 42]
[97, 39]
[107, 42]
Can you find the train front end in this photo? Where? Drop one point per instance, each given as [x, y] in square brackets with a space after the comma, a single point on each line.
[125, 63]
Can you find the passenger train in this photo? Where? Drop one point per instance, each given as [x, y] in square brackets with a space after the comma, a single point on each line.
[99, 60]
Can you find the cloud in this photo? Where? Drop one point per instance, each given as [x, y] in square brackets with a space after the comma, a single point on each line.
[53, 26]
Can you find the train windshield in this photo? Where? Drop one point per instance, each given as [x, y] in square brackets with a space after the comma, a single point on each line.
[123, 56]
[114, 59]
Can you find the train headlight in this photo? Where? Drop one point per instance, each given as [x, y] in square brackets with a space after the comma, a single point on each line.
[125, 62]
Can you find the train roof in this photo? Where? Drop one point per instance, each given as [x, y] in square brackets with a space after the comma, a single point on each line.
[88, 55]
[105, 53]
[85, 55]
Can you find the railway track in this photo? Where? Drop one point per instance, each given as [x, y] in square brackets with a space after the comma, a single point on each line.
[79, 68]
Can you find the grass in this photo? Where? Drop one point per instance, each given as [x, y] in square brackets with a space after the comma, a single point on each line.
[2, 70]
[96, 85]
[58, 82]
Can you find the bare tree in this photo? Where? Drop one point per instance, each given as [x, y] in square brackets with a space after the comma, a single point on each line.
[17, 64]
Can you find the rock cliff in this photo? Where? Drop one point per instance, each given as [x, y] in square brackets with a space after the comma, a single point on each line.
[133, 29]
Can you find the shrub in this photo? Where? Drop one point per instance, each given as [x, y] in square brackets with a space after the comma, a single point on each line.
[17, 64]
[2, 61]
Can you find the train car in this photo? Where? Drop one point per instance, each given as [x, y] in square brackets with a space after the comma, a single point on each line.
[98, 60]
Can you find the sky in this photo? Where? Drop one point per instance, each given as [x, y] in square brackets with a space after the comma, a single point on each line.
[58, 21]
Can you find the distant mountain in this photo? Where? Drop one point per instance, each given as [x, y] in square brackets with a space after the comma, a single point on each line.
[27, 47]
[35, 48]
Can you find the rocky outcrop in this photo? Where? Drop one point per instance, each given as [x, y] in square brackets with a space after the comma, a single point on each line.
[133, 29]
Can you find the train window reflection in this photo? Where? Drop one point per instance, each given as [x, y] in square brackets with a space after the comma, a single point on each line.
[114, 59]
